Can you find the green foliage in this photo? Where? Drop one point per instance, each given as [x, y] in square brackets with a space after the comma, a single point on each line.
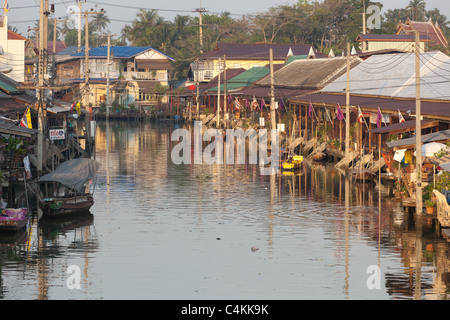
[16, 146]
[443, 181]
[429, 203]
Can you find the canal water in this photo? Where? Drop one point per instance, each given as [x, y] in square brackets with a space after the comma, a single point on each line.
[217, 232]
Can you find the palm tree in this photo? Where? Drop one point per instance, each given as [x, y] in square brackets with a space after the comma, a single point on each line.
[101, 22]
[417, 9]
[140, 31]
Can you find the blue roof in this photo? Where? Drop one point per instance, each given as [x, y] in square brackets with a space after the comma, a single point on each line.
[118, 51]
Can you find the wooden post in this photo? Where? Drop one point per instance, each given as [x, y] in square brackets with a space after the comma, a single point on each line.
[272, 93]
[347, 107]
[419, 205]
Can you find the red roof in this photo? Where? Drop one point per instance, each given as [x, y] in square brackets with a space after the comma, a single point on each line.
[428, 28]
[59, 46]
[15, 36]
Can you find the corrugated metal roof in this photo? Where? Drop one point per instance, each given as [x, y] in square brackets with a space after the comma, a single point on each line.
[10, 128]
[251, 51]
[244, 79]
[8, 85]
[409, 142]
[310, 74]
[429, 109]
[393, 75]
[294, 58]
[118, 51]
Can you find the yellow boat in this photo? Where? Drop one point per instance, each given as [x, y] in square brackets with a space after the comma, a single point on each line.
[292, 163]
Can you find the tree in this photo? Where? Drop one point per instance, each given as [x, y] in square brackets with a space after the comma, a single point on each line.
[416, 9]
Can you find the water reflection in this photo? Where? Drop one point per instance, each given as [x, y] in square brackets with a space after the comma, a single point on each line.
[161, 231]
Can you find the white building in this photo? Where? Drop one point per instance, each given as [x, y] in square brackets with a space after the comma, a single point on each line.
[12, 51]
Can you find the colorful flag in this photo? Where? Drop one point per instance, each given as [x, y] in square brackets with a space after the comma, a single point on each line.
[360, 116]
[263, 104]
[281, 103]
[237, 104]
[77, 107]
[339, 113]
[310, 110]
[254, 103]
[5, 6]
[230, 99]
[400, 117]
[26, 119]
[379, 118]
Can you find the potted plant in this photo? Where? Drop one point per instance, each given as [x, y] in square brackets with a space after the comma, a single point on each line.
[429, 205]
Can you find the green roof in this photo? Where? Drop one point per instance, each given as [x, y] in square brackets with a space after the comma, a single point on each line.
[244, 79]
[293, 58]
[6, 87]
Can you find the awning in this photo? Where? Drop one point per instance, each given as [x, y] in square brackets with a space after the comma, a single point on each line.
[441, 136]
[405, 127]
[73, 173]
[445, 166]
[10, 128]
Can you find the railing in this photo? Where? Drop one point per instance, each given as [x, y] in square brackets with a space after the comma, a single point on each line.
[150, 76]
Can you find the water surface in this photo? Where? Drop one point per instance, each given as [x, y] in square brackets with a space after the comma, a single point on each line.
[164, 231]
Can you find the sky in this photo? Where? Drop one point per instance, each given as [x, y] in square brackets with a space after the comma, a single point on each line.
[24, 13]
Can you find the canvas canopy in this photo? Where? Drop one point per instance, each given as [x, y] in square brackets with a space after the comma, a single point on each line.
[73, 173]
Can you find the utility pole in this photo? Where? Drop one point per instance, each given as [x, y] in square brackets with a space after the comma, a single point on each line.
[364, 43]
[108, 62]
[79, 24]
[419, 205]
[55, 22]
[347, 107]
[272, 92]
[86, 55]
[200, 12]
[43, 17]
[197, 84]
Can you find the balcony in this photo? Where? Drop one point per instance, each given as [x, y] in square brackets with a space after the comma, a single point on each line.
[204, 75]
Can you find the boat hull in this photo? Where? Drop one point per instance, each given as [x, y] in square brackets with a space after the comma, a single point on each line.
[293, 164]
[13, 219]
[57, 207]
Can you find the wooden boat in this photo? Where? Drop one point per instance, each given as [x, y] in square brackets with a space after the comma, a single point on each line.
[69, 186]
[59, 206]
[292, 163]
[13, 219]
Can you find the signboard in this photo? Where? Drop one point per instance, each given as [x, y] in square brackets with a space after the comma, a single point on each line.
[280, 127]
[57, 134]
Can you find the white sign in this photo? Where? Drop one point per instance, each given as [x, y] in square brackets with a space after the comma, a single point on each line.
[57, 134]
[261, 122]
